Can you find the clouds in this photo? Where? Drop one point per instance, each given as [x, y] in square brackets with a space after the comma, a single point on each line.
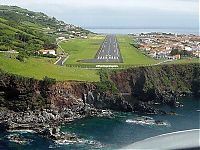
[117, 12]
[186, 5]
[171, 5]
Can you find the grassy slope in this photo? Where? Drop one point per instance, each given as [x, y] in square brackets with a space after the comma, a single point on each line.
[40, 67]
[130, 54]
[185, 61]
[10, 30]
[82, 49]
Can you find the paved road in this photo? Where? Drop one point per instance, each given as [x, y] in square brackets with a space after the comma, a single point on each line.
[61, 60]
[108, 52]
[62, 56]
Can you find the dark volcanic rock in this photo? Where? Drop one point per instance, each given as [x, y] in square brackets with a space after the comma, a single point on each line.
[26, 103]
[145, 108]
[163, 83]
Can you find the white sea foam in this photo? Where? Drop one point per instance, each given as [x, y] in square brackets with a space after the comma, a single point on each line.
[93, 143]
[17, 138]
[145, 120]
[22, 131]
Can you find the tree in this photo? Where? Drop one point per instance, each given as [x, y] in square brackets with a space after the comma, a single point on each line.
[4, 48]
[48, 81]
[185, 53]
[105, 84]
[21, 56]
[174, 52]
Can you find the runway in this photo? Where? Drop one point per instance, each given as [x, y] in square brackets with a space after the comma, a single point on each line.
[109, 52]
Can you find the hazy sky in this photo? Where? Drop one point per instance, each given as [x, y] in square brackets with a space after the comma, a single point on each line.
[137, 13]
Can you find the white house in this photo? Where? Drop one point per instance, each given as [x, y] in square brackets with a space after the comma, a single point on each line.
[187, 48]
[61, 38]
[168, 48]
[49, 51]
[197, 54]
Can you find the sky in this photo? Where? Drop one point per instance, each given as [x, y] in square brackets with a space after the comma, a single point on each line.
[118, 13]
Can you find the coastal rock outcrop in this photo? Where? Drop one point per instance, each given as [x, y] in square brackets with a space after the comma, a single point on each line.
[43, 105]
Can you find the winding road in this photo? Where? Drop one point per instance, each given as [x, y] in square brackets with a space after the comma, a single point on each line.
[61, 57]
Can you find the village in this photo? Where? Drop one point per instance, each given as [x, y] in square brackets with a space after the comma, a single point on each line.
[64, 32]
[167, 45]
[61, 29]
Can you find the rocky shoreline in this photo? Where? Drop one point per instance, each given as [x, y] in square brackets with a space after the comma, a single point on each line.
[44, 105]
[47, 122]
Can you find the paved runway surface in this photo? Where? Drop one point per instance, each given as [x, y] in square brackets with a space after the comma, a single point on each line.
[108, 52]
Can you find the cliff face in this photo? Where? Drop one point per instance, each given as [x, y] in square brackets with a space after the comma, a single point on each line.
[26, 103]
[159, 83]
[144, 84]
[20, 93]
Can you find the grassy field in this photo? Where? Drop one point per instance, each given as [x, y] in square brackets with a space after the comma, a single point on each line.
[185, 61]
[86, 49]
[130, 54]
[79, 49]
[40, 67]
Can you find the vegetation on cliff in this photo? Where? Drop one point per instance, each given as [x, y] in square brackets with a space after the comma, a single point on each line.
[106, 84]
[158, 83]
[152, 83]
[19, 93]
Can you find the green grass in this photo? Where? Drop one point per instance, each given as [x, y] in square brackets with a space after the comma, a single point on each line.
[130, 54]
[6, 29]
[33, 26]
[40, 67]
[185, 61]
[86, 49]
[80, 49]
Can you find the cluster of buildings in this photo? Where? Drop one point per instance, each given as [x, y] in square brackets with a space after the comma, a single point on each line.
[67, 31]
[70, 31]
[161, 45]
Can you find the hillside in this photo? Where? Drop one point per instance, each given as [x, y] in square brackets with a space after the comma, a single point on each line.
[14, 36]
[26, 31]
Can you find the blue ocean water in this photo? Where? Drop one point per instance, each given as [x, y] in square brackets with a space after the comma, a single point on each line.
[110, 134]
[186, 31]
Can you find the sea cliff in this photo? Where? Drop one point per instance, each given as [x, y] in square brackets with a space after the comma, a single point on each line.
[42, 106]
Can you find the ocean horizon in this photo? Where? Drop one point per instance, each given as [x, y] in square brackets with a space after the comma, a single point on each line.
[136, 30]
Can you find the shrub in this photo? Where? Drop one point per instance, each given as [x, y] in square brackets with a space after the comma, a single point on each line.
[105, 83]
[49, 81]
[21, 57]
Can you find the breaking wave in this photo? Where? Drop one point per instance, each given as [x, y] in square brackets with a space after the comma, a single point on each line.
[147, 121]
